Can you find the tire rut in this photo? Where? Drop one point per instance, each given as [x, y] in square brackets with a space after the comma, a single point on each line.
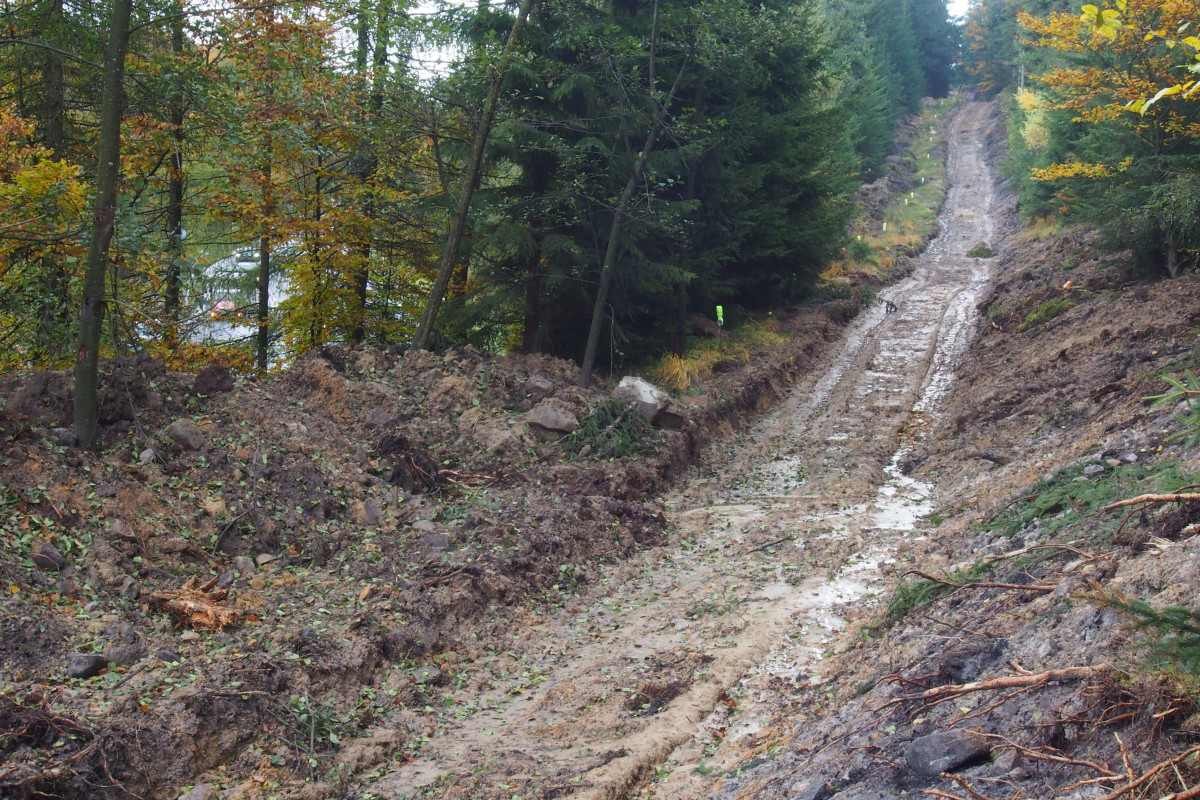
[644, 673]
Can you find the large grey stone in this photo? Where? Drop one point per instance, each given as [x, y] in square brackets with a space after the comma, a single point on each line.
[186, 433]
[202, 791]
[550, 417]
[945, 751]
[435, 542]
[85, 665]
[46, 556]
[539, 386]
[812, 789]
[642, 395]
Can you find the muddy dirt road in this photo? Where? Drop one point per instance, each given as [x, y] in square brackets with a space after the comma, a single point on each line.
[669, 667]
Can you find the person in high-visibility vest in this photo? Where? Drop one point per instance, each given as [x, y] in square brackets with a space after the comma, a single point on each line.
[721, 316]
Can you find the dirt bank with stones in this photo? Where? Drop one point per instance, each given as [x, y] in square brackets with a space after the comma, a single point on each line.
[243, 560]
[1001, 663]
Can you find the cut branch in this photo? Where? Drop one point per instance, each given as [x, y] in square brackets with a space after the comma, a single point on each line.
[1153, 499]
[1033, 587]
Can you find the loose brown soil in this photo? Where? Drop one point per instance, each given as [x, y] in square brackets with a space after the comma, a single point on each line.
[444, 607]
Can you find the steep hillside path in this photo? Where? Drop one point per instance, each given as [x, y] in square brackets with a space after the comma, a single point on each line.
[672, 664]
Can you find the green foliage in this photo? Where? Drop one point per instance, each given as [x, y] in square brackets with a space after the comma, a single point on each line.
[912, 594]
[981, 250]
[309, 131]
[1044, 313]
[1184, 390]
[1174, 632]
[611, 430]
[1068, 496]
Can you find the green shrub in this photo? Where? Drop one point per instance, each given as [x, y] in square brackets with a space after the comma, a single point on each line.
[1044, 313]
[981, 250]
[1185, 391]
[1174, 632]
[611, 430]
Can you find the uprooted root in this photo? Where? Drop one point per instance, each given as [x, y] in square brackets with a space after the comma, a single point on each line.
[48, 755]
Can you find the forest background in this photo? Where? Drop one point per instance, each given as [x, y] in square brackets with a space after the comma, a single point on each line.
[583, 172]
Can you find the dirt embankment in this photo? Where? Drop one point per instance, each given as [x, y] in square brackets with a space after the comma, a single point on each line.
[1005, 665]
[243, 560]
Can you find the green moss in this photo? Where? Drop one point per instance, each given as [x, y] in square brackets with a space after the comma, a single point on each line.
[1044, 313]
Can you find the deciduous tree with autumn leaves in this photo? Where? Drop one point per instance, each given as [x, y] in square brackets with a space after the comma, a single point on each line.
[655, 157]
[1108, 123]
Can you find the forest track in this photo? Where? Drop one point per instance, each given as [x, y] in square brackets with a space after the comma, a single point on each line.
[674, 665]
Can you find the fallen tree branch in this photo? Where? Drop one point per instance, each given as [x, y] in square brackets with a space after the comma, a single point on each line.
[1150, 773]
[1033, 587]
[1006, 682]
[963, 783]
[771, 543]
[1041, 755]
[1035, 547]
[1152, 499]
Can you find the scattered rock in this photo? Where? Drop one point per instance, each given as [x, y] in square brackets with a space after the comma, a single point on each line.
[84, 665]
[549, 416]
[147, 455]
[106, 490]
[539, 386]
[424, 526]
[673, 418]
[379, 418]
[46, 556]
[817, 789]
[1092, 469]
[123, 654]
[64, 436]
[427, 674]
[189, 636]
[130, 588]
[186, 433]
[226, 578]
[945, 751]
[371, 511]
[168, 656]
[264, 558]
[244, 565]
[435, 542]
[201, 792]
[642, 395]
[213, 379]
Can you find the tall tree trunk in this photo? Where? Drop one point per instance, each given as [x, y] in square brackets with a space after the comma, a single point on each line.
[1172, 252]
[533, 300]
[55, 94]
[263, 340]
[368, 161]
[175, 182]
[620, 211]
[459, 222]
[54, 318]
[262, 317]
[679, 339]
[91, 312]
